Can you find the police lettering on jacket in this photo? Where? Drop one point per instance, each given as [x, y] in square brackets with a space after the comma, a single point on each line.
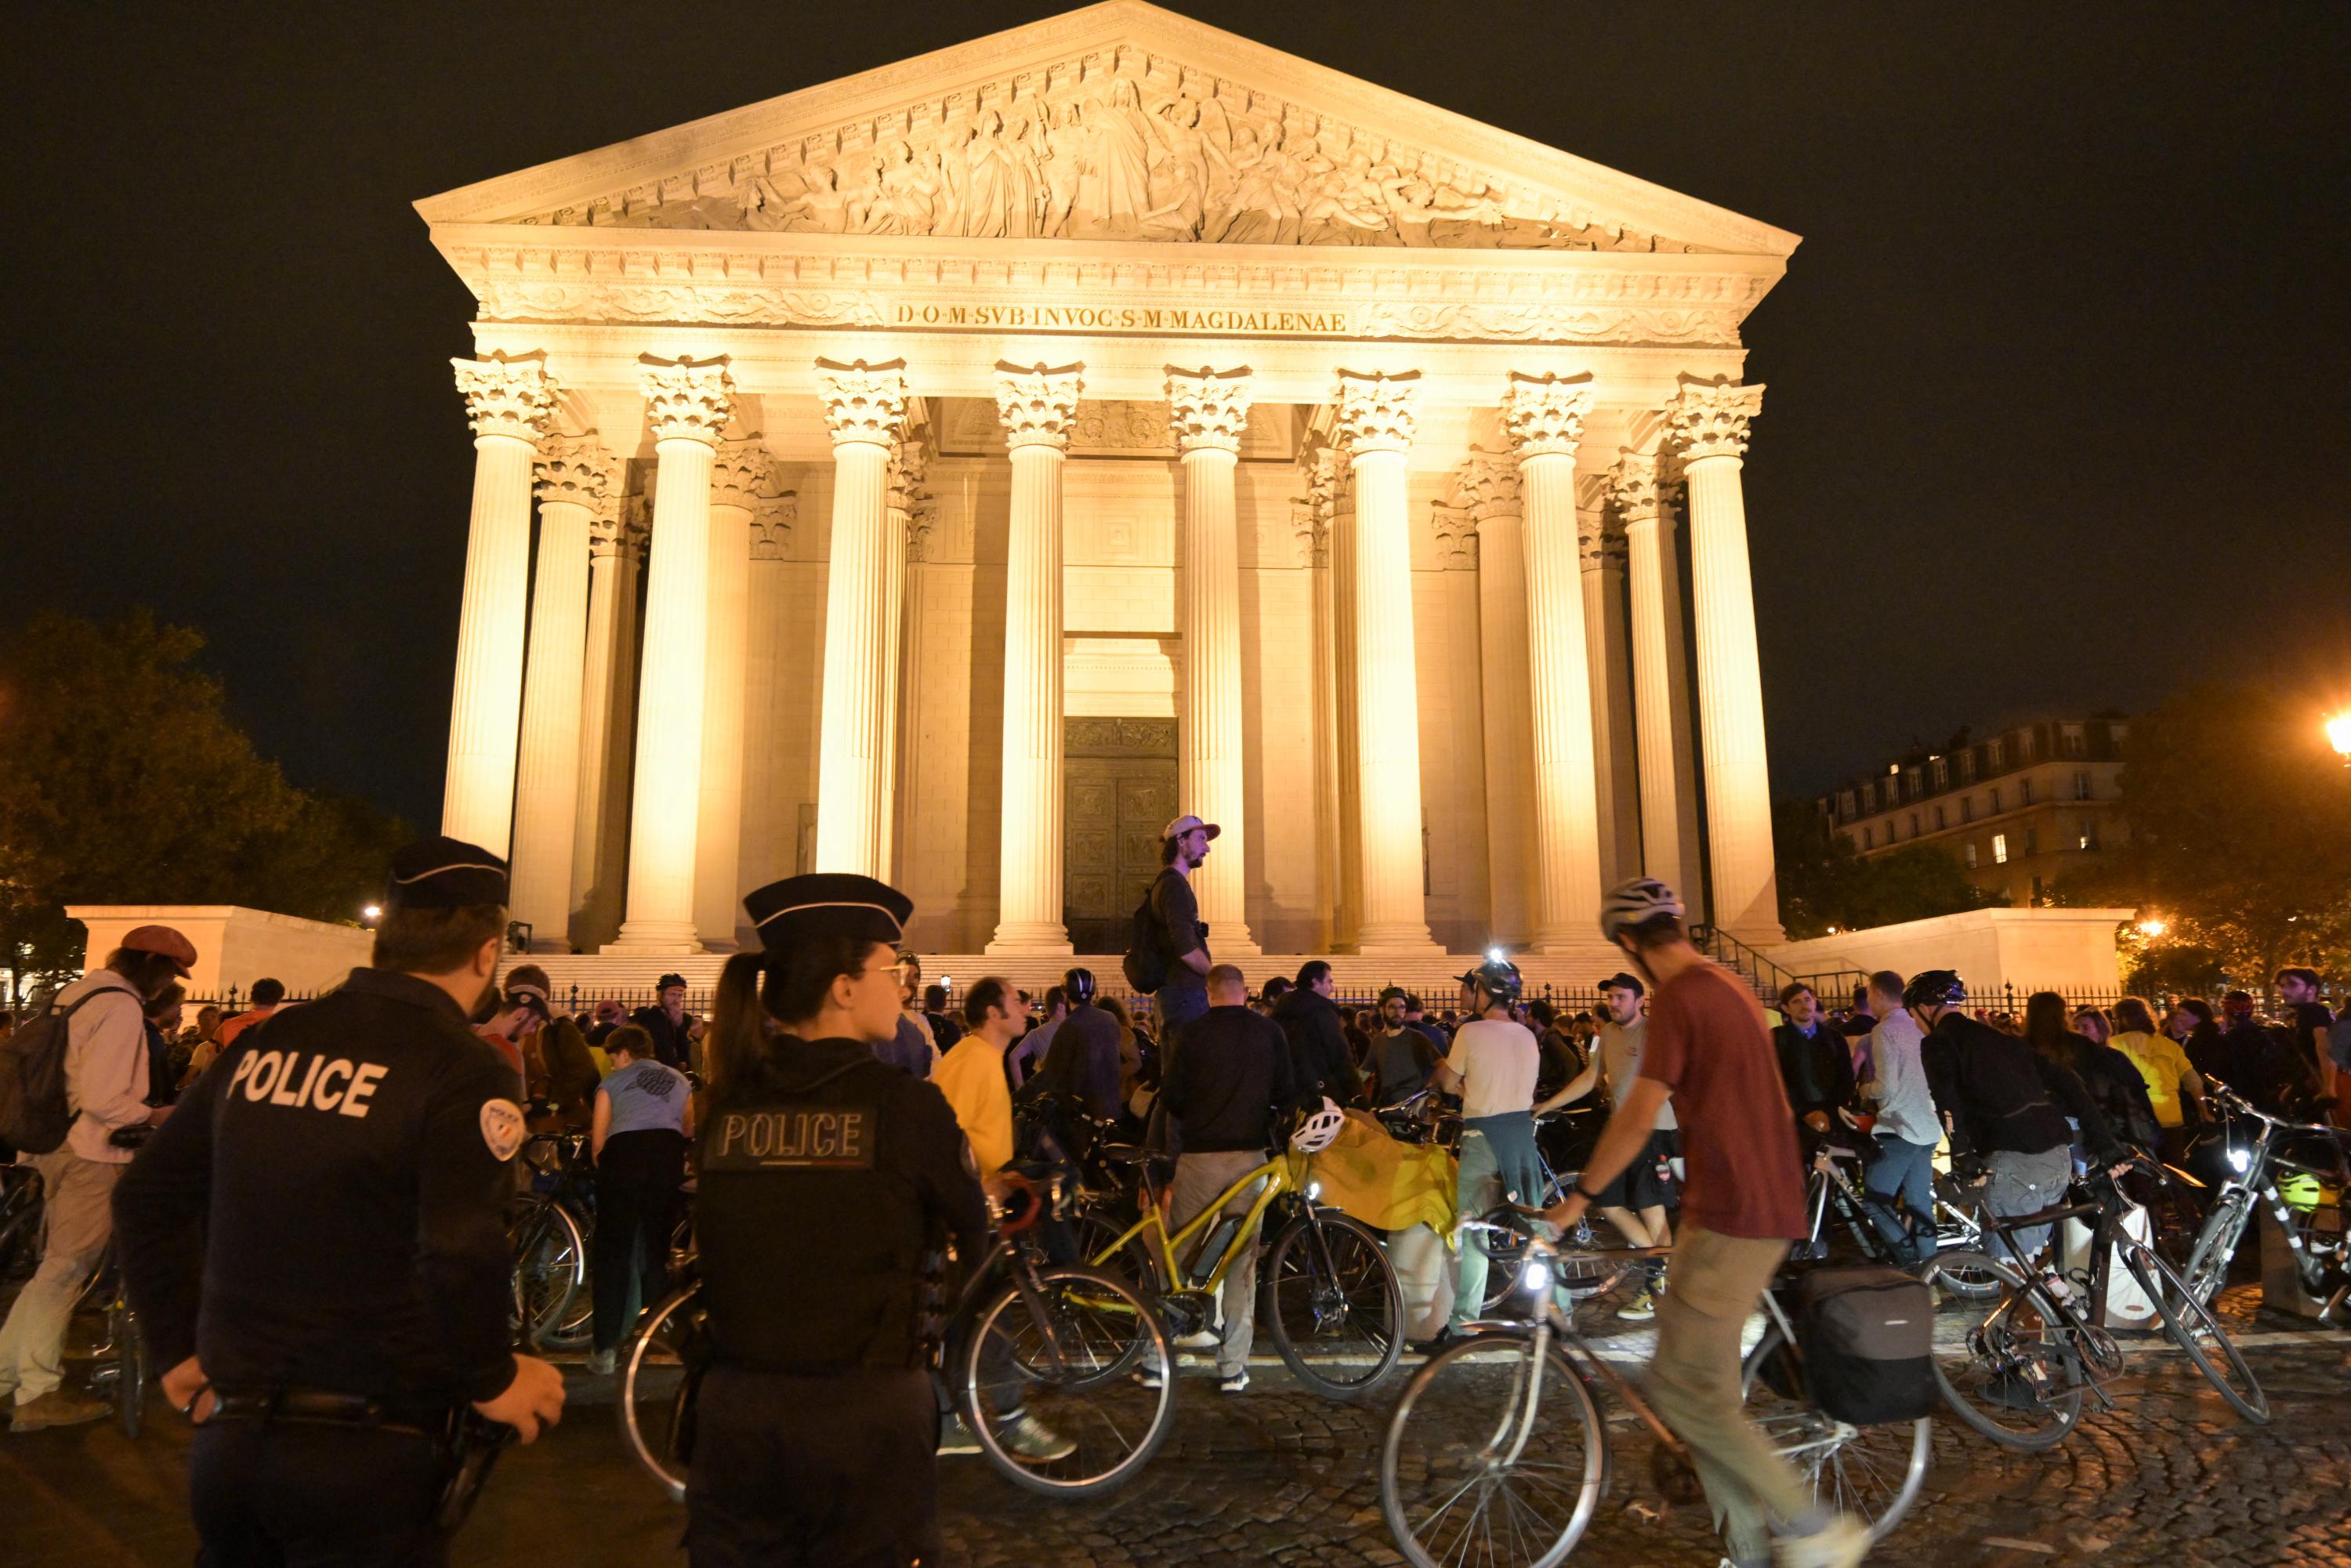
[814, 1138]
[313, 1081]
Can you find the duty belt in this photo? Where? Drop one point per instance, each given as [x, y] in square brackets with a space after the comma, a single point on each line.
[326, 1407]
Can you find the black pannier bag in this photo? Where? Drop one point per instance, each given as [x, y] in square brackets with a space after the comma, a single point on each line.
[1868, 1340]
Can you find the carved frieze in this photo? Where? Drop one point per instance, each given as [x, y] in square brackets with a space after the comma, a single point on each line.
[686, 400]
[503, 396]
[1712, 421]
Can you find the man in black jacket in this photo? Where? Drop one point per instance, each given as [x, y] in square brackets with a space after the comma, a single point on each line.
[1317, 1039]
[1815, 1066]
[2004, 1105]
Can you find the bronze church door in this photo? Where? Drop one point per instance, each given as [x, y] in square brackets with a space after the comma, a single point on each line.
[1118, 794]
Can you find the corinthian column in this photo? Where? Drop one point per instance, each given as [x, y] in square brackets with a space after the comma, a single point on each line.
[1616, 774]
[864, 405]
[1490, 488]
[1374, 428]
[1668, 774]
[574, 481]
[687, 406]
[908, 460]
[607, 701]
[1544, 417]
[1209, 410]
[739, 471]
[508, 402]
[1709, 425]
[1037, 405]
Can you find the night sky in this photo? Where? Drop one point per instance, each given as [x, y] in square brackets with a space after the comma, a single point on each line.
[2058, 414]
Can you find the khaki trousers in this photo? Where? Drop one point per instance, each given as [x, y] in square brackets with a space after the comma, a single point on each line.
[1715, 1285]
[77, 1218]
[1198, 1179]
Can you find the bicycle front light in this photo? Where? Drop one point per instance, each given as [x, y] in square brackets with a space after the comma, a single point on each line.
[1313, 1190]
[1535, 1278]
[2238, 1161]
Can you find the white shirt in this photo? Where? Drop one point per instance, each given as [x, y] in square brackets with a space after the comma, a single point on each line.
[1620, 1062]
[106, 1066]
[1499, 1061]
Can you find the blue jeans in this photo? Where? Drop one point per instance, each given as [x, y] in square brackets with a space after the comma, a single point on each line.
[1903, 1175]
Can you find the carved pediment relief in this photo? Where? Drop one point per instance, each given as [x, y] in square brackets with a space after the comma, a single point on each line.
[1128, 142]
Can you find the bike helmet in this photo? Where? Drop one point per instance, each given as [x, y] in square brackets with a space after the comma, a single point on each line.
[1935, 988]
[1630, 904]
[1498, 978]
[1317, 1132]
[1078, 986]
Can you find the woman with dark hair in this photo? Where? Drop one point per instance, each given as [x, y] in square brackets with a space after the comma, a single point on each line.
[2112, 1079]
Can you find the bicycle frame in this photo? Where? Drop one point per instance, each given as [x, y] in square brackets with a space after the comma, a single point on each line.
[1279, 1176]
[2233, 1210]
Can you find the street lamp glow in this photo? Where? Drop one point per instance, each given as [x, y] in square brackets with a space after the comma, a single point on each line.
[373, 911]
[2153, 926]
[2338, 736]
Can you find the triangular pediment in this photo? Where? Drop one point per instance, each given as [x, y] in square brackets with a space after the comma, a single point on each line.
[1119, 121]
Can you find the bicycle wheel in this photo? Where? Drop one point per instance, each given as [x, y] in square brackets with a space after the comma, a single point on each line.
[1873, 1473]
[2207, 1269]
[1522, 1490]
[2004, 1371]
[657, 1386]
[551, 1271]
[577, 1325]
[1095, 1230]
[2194, 1329]
[1086, 1361]
[1331, 1293]
[1574, 1276]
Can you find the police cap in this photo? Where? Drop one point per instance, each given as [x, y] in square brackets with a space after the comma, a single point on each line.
[445, 873]
[828, 904]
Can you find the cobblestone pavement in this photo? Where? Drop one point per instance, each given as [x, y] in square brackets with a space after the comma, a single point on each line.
[1279, 1475]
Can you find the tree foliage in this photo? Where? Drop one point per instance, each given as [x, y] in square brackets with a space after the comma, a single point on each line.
[2240, 838]
[124, 780]
[1823, 883]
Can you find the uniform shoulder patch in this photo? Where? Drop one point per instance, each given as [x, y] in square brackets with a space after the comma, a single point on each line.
[502, 1127]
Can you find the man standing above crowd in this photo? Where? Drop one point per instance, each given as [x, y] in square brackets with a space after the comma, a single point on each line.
[674, 1030]
[1183, 995]
[106, 1084]
[1318, 1038]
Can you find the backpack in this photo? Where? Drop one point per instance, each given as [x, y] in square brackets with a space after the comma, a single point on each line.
[35, 1112]
[1145, 964]
[1867, 1335]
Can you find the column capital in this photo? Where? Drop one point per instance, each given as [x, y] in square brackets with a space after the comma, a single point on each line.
[741, 473]
[1038, 404]
[1209, 410]
[1634, 487]
[1375, 412]
[686, 401]
[1544, 415]
[1488, 487]
[579, 470]
[1599, 543]
[922, 518]
[507, 397]
[1712, 421]
[910, 460]
[862, 403]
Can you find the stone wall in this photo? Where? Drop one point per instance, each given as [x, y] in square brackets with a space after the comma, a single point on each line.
[2069, 950]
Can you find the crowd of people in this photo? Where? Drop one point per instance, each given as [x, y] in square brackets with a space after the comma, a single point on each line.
[308, 1198]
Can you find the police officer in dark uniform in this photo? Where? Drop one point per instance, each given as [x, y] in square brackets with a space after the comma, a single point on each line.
[315, 1243]
[827, 1179]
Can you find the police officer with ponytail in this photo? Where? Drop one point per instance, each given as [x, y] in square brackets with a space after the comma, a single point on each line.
[829, 1180]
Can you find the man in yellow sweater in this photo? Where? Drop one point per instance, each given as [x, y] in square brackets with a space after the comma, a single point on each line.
[972, 1077]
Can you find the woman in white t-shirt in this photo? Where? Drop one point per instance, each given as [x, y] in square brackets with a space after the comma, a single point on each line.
[1492, 1066]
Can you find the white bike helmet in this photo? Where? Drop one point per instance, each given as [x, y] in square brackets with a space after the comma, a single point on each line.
[1319, 1130]
[1632, 903]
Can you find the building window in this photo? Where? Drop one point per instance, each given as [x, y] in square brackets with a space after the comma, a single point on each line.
[1869, 795]
[2073, 741]
[2081, 783]
[2024, 739]
[1869, 838]
[1844, 805]
[1942, 775]
[1910, 783]
[1914, 824]
[1993, 751]
[1967, 766]
[2089, 835]
[1971, 855]
[1939, 823]
[2024, 791]
[1995, 800]
[1966, 808]
[2031, 841]
[2000, 848]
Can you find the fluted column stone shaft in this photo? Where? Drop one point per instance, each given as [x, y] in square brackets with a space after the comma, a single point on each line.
[1209, 412]
[1710, 424]
[740, 471]
[864, 405]
[1037, 405]
[1669, 770]
[508, 402]
[1506, 697]
[1374, 427]
[687, 408]
[1544, 418]
[1615, 771]
[908, 460]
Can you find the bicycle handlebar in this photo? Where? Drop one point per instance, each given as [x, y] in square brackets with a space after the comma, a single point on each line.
[2242, 1107]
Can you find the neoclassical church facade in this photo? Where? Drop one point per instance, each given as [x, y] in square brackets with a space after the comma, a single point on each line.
[954, 471]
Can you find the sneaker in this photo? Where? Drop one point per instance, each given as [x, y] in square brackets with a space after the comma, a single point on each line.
[1199, 1339]
[956, 1439]
[1843, 1544]
[1641, 1308]
[57, 1408]
[601, 1363]
[1234, 1384]
[1149, 1378]
[1026, 1437]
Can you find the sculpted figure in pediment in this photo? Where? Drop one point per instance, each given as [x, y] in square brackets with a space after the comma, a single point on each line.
[1064, 164]
[817, 207]
[1114, 188]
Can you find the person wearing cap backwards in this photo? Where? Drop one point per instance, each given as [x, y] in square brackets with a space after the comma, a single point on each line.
[315, 1243]
[827, 1176]
[1183, 995]
[106, 1087]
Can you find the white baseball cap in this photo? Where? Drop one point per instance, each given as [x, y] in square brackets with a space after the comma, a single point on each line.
[1181, 825]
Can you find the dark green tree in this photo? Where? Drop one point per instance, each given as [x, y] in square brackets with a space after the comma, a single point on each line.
[2240, 839]
[124, 780]
[1823, 883]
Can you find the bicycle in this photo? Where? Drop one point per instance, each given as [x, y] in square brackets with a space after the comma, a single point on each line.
[547, 1232]
[1830, 1188]
[117, 1349]
[2022, 1373]
[1329, 1288]
[1527, 1492]
[2322, 1259]
[1075, 1346]
[20, 1223]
